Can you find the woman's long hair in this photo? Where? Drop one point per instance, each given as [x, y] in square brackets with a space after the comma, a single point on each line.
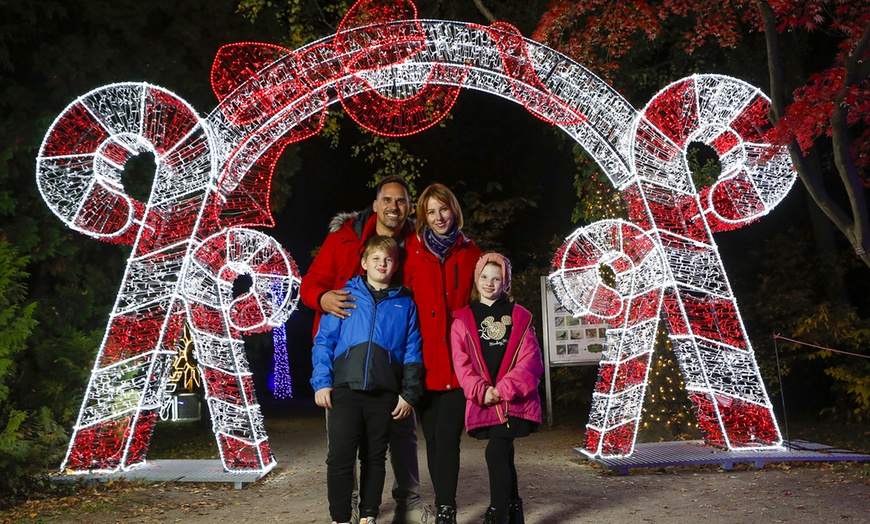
[441, 193]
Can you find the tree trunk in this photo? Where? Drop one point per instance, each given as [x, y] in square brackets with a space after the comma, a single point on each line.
[854, 226]
[826, 250]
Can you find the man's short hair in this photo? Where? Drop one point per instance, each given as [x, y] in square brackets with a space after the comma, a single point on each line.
[381, 243]
[392, 179]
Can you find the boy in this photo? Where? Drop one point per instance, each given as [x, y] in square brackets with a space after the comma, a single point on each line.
[367, 371]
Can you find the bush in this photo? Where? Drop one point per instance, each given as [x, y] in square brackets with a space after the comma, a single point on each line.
[17, 452]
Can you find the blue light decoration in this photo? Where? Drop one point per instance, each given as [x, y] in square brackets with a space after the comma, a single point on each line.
[283, 384]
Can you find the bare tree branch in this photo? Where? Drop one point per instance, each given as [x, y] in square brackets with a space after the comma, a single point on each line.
[485, 12]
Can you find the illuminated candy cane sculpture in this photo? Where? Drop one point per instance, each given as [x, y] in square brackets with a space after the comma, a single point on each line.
[182, 268]
[396, 75]
[631, 305]
[690, 291]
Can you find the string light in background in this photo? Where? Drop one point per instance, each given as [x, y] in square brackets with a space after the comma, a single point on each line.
[184, 370]
[667, 410]
[283, 383]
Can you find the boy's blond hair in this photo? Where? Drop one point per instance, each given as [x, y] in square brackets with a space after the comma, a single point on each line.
[381, 243]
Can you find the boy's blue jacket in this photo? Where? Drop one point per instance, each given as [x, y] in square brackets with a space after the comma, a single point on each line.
[378, 347]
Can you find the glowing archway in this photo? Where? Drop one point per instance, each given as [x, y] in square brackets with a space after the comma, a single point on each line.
[395, 75]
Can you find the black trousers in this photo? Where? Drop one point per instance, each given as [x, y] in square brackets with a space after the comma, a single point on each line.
[442, 416]
[357, 424]
[503, 486]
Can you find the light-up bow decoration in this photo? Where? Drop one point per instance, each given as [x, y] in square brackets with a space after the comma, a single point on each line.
[394, 75]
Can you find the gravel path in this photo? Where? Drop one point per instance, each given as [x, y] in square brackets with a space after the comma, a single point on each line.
[556, 483]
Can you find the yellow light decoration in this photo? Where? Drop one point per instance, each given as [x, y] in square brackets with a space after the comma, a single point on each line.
[184, 367]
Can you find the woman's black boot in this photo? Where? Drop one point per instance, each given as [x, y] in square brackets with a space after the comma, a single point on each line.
[494, 516]
[445, 515]
[515, 512]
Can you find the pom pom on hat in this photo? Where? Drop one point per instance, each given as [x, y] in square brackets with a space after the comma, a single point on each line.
[494, 258]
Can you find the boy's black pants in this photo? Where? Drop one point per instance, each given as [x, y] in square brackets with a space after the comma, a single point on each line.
[359, 421]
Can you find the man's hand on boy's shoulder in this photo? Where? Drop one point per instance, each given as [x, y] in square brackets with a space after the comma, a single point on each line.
[323, 397]
[403, 409]
[337, 303]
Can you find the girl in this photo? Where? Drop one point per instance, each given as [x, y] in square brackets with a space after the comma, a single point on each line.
[498, 362]
[439, 271]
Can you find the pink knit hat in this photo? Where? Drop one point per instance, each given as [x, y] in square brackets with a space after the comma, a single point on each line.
[495, 258]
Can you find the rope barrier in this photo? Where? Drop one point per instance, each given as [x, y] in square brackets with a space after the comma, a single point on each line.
[777, 335]
[788, 442]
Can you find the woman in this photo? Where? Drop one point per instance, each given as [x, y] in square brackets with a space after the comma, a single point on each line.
[439, 270]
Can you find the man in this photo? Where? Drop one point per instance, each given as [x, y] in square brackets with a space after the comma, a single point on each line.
[321, 290]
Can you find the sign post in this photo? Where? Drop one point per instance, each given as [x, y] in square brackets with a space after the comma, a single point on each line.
[568, 341]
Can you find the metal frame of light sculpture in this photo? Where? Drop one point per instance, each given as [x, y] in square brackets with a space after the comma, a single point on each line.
[213, 176]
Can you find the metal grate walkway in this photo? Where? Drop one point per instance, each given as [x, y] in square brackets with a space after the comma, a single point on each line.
[696, 452]
[172, 471]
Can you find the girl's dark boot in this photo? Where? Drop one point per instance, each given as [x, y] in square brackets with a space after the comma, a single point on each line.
[445, 515]
[494, 516]
[515, 512]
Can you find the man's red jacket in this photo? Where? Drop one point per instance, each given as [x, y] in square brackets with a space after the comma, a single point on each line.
[339, 258]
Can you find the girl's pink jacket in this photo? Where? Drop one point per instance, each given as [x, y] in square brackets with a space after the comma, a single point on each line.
[518, 377]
